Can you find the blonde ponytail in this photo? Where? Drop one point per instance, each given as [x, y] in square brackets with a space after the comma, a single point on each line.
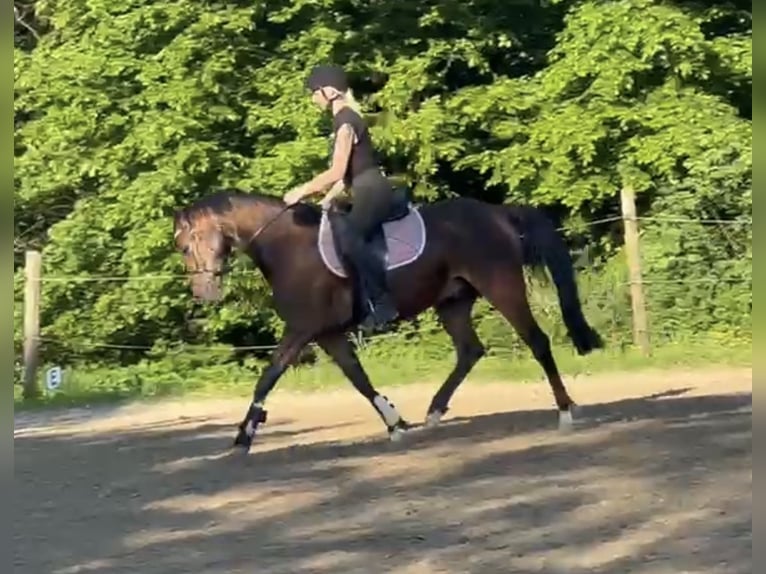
[348, 97]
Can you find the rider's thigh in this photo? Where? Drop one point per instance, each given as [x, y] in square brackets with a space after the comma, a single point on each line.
[372, 201]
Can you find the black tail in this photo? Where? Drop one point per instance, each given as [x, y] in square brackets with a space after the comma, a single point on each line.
[543, 245]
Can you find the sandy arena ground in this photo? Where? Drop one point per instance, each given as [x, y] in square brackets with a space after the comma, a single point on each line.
[657, 478]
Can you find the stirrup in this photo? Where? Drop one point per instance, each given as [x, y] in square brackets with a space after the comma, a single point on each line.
[373, 322]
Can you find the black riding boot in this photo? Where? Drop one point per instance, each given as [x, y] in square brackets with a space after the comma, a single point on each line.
[369, 270]
[380, 306]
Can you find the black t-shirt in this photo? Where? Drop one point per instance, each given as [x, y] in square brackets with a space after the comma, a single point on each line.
[362, 153]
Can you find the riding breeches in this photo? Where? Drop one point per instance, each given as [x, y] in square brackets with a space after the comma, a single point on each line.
[372, 198]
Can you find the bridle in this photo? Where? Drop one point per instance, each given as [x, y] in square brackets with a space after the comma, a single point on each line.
[225, 268]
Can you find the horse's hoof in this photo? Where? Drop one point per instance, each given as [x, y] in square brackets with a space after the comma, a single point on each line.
[575, 410]
[242, 442]
[433, 419]
[397, 431]
[566, 421]
[240, 449]
[396, 434]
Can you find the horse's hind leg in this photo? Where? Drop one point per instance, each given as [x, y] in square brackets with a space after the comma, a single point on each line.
[506, 291]
[342, 352]
[455, 315]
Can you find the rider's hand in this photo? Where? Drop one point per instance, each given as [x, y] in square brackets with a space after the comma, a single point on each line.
[326, 202]
[294, 195]
[334, 192]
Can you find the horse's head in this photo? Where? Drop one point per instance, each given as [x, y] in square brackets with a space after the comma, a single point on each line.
[205, 249]
[207, 230]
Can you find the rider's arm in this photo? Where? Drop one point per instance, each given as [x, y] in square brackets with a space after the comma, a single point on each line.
[344, 142]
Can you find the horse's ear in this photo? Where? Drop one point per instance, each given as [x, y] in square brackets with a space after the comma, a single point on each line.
[180, 224]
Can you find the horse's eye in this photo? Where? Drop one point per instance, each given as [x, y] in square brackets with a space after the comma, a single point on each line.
[185, 250]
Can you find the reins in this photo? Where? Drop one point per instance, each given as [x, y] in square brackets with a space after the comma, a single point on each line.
[263, 227]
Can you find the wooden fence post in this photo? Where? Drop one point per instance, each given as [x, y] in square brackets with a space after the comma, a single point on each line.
[32, 272]
[633, 254]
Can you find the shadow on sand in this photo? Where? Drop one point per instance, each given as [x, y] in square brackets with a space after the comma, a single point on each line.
[451, 499]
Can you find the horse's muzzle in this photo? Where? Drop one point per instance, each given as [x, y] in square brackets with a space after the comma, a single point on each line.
[207, 286]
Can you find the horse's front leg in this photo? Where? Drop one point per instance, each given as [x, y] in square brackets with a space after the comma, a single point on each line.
[342, 352]
[287, 351]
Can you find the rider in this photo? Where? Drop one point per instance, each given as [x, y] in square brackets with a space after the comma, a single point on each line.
[353, 166]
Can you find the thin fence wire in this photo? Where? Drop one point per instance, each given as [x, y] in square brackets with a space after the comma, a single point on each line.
[106, 279]
[138, 278]
[489, 316]
[179, 347]
[111, 278]
[592, 222]
[686, 281]
[76, 347]
[245, 272]
[663, 219]
[81, 348]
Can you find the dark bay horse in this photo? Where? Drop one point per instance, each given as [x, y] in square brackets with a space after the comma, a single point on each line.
[467, 249]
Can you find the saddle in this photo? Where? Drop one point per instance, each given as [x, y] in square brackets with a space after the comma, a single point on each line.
[398, 241]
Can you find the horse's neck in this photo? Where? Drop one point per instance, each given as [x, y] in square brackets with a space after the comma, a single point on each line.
[256, 230]
[249, 221]
[272, 237]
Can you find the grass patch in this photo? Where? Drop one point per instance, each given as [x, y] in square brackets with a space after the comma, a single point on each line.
[410, 368]
[388, 364]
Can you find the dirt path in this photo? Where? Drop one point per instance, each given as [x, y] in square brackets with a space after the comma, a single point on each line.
[657, 479]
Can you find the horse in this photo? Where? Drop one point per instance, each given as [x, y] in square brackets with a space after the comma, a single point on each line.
[442, 255]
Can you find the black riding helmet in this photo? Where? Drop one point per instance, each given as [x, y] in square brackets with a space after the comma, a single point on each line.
[327, 76]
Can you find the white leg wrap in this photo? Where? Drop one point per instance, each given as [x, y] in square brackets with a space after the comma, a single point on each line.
[386, 409]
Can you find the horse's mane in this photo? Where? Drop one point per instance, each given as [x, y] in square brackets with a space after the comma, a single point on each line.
[223, 201]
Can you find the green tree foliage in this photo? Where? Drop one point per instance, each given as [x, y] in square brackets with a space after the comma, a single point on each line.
[127, 110]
